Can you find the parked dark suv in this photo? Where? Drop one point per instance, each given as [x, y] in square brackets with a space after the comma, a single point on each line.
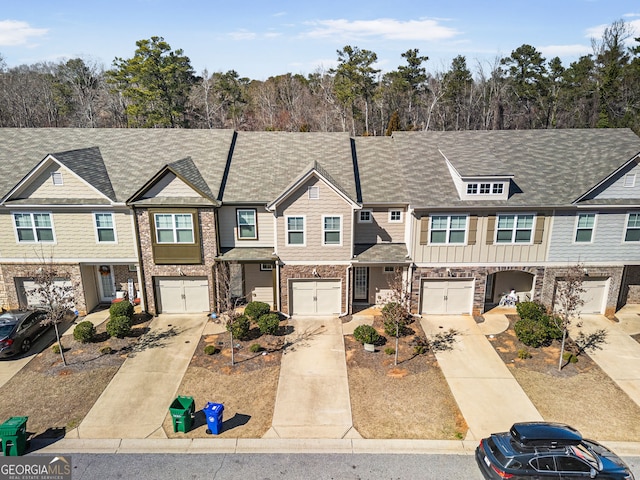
[543, 450]
[19, 329]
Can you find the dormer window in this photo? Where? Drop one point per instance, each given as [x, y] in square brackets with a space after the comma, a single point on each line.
[472, 188]
[56, 178]
[498, 188]
[485, 188]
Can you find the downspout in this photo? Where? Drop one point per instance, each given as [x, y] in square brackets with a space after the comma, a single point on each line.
[346, 295]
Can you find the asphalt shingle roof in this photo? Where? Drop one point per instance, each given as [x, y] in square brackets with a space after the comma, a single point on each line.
[381, 253]
[88, 164]
[382, 175]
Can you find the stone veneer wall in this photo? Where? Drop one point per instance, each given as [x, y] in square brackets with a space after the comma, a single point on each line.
[479, 274]
[553, 274]
[631, 286]
[151, 270]
[326, 272]
[22, 270]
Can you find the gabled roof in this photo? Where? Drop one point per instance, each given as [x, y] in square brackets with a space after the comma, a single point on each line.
[265, 164]
[86, 164]
[186, 171]
[550, 167]
[314, 169]
[381, 174]
[602, 184]
[129, 155]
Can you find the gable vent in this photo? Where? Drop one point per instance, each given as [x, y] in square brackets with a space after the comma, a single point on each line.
[56, 177]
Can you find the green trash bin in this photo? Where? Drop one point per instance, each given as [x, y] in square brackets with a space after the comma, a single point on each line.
[13, 435]
[182, 410]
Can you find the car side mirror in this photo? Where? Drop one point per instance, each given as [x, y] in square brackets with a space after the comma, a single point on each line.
[593, 473]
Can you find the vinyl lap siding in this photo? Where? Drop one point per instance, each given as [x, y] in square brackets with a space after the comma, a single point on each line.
[380, 229]
[607, 242]
[72, 187]
[329, 203]
[618, 190]
[171, 186]
[75, 239]
[229, 228]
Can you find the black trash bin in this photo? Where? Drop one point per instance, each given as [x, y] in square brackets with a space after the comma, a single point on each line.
[213, 412]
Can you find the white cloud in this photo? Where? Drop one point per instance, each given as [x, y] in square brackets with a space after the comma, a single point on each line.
[242, 35]
[576, 50]
[272, 34]
[15, 32]
[387, 28]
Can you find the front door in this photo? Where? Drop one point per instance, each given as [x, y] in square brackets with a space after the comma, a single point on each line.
[361, 284]
[106, 283]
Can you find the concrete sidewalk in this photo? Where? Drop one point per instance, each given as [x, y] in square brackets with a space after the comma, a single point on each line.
[490, 399]
[313, 400]
[619, 357]
[136, 401]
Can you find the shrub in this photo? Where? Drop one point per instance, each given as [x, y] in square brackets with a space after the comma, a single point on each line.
[569, 357]
[239, 327]
[121, 309]
[366, 334]
[84, 332]
[255, 348]
[531, 310]
[119, 326]
[255, 310]
[396, 318]
[211, 350]
[389, 350]
[106, 350]
[537, 333]
[523, 354]
[420, 349]
[55, 348]
[269, 323]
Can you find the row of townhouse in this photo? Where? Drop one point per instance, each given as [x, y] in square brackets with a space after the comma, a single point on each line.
[318, 223]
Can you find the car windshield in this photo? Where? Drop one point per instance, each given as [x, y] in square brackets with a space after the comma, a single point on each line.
[5, 328]
[582, 452]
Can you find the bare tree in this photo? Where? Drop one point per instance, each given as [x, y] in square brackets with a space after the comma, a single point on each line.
[567, 302]
[396, 312]
[53, 294]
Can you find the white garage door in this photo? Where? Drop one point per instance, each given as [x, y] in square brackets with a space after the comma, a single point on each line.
[182, 294]
[452, 297]
[315, 297]
[594, 295]
[29, 296]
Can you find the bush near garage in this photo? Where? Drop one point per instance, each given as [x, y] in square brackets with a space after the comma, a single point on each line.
[269, 323]
[239, 327]
[531, 310]
[255, 310]
[366, 334]
[84, 332]
[119, 326]
[122, 308]
[536, 328]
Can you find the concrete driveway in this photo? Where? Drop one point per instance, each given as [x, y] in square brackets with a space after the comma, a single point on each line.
[136, 401]
[313, 400]
[490, 399]
[619, 357]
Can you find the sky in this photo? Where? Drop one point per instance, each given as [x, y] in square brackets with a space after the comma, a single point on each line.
[263, 38]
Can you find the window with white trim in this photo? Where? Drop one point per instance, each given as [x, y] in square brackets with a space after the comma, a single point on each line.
[314, 192]
[632, 233]
[33, 227]
[247, 226]
[174, 228]
[365, 216]
[395, 216]
[485, 188]
[514, 228]
[630, 180]
[388, 269]
[56, 178]
[448, 229]
[332, 230]
[472, 188]
[584, 227]
[295, 231]
[497, 188]
[266, 267]
[105, 227]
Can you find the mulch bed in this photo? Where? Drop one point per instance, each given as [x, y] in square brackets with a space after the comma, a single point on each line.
[580, 394]
[56, 397]
[409, 400]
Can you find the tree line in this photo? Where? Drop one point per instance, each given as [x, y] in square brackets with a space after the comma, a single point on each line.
[158, 87]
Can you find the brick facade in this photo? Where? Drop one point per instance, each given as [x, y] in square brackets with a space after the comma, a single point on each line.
[324, 272]
[150, 270]
[630, 286]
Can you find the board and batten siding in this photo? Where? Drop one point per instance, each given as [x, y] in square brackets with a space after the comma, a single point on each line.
[607, 243]
[482, 249]
[329, 203]
[72, 187]
[228, 227]
[75, 236]
[380, 229]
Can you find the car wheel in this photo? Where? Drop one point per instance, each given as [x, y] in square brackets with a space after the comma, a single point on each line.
[26, 345]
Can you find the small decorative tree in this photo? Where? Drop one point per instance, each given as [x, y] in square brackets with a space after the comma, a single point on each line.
[56, 298]
[396, 311]
[567, 302]
[227, 304]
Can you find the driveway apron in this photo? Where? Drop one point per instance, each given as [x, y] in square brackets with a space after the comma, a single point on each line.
[619, 357]
[312, 400]
[136, 401]
[488, 396]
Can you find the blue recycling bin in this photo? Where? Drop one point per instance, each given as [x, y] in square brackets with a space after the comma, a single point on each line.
[213, 412]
